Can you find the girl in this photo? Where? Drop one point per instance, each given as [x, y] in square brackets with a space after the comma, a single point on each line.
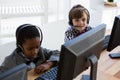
[78, 21]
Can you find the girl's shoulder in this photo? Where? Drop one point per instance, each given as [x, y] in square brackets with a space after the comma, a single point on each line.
[88, 27]
[71, 29]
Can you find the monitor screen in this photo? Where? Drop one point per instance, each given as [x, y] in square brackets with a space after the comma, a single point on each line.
[115, 37]
[17, 73]
[75, 54]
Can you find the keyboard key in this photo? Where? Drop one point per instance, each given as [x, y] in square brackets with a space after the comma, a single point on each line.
[49, 75]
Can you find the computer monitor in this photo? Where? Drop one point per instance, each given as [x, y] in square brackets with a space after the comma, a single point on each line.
[114, 38]
[17, 73]
[77, 53]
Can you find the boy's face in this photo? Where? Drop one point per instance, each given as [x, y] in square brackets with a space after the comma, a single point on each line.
[31, 47]
[80, 23]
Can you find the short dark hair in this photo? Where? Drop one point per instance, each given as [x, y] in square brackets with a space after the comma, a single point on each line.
[77, 12]
[26, 31]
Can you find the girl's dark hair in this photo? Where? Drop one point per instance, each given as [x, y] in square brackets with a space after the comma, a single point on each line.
[77, 12]
[26, 31]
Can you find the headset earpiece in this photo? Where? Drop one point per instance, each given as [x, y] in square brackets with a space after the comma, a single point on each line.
[88, 14]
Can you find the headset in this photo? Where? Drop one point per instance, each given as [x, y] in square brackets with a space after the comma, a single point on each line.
[23, 27]
[82, 9]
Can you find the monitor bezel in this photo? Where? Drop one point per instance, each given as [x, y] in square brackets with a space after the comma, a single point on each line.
[13, 71]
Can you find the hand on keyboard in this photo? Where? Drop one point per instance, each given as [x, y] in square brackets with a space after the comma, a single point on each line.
[49, 75]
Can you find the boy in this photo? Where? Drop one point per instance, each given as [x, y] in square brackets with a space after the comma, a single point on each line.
[29, 51]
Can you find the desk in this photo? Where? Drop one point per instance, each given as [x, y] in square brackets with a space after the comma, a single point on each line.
[108, 69]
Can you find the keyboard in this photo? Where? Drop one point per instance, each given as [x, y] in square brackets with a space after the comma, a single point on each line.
[106, 41]
[49, 75]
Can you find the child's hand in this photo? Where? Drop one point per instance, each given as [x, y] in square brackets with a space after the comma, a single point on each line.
[43, 67]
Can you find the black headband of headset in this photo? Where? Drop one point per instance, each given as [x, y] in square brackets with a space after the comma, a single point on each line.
[28, 25]
[82, 9]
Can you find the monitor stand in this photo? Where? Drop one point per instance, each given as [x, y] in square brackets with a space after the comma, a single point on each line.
[93, 61]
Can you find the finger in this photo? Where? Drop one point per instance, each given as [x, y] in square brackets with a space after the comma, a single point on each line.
[39, 71]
